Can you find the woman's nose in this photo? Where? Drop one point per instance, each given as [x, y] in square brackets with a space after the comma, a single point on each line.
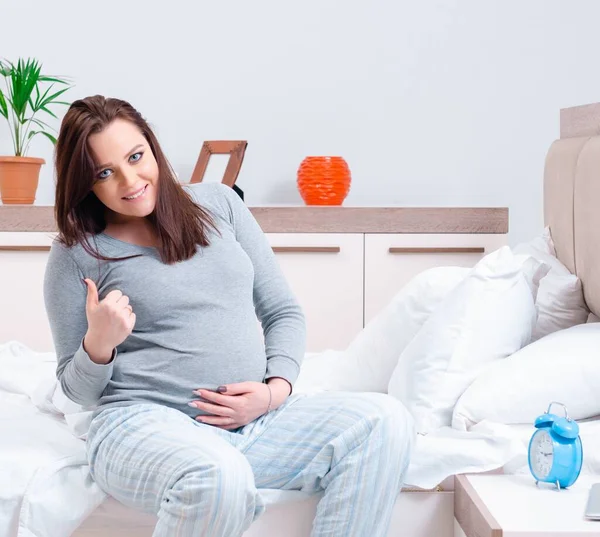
[130, 178]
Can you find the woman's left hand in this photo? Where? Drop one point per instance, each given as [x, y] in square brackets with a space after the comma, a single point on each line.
[235, 405]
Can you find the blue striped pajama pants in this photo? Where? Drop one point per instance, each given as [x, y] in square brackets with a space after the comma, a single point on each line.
[202, 481]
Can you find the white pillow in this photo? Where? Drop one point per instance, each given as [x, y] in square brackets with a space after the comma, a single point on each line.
[562, 367]
[376, 349]
[560, 299]
[488, 316]
[368, 362]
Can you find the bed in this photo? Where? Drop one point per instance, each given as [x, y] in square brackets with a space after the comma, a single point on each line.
[44, 430]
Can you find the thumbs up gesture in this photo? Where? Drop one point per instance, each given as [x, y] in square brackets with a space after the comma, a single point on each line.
[110, 321]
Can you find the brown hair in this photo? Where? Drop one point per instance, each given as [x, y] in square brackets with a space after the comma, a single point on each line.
[180, 222]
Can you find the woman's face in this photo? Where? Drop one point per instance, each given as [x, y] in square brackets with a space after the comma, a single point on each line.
[125, 165]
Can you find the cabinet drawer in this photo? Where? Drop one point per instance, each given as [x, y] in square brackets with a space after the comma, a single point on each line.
[391, 260]
[22, 311]
[325, 271]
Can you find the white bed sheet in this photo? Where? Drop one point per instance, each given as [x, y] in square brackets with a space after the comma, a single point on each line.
[46, 489]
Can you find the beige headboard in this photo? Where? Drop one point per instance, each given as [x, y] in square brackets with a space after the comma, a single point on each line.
[572, 196]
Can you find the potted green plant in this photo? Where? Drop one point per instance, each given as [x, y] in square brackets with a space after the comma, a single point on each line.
[19, 174]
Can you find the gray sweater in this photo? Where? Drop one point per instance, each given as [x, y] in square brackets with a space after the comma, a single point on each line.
[196, 324]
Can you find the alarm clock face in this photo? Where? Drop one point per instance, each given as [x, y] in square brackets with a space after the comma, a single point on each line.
[541, 454]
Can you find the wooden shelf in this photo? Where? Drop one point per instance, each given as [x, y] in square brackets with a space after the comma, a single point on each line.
[305, 219]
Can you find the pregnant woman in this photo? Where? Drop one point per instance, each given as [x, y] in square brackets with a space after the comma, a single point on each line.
[153, 290]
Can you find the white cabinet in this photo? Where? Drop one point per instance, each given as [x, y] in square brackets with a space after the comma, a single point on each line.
[343, 280]
[22, 311]
[325, 271]
[391, 260]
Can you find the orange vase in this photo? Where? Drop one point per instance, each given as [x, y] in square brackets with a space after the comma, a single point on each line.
[324, 180]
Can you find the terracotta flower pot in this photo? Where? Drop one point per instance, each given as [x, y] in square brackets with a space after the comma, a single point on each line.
[324, 180]
[19, 178]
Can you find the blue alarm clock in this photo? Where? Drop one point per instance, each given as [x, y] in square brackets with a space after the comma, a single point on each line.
[555, 452]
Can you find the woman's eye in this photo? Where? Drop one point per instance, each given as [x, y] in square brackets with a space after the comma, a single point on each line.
[140, 153]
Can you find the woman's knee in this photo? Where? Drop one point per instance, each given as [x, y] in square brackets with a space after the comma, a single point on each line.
[391, 421]
[217, 487]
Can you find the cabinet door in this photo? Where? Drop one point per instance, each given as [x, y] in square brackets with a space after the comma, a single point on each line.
[22, 311]
[325, 271]
[391, 260]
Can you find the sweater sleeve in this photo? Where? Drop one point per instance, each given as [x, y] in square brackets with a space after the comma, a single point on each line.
[276, 306]
[65, 293]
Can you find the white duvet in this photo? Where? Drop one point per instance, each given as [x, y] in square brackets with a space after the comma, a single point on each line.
[46, 489]
[45, 486]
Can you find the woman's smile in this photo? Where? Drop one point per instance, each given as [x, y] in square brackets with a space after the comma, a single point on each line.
[138, 195]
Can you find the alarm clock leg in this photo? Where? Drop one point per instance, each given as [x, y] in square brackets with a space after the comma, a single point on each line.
[557, 485]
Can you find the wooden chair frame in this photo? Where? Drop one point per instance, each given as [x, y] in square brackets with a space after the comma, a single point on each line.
[235, 149]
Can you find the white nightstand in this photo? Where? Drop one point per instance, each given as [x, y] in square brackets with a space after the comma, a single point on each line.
[513, 506]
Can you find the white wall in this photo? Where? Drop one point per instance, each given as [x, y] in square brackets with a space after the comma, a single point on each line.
[431, 102]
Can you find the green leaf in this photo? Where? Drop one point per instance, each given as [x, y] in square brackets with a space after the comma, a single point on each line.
[52, 79]
[3, 107]
[37, 98]
[5, 68]
[50, 137]
[38, 101]
[49, 112]
[40, 123]
[53, 96]
[24, 78]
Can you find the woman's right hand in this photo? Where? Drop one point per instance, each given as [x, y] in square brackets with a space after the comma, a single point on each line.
[110, 321]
